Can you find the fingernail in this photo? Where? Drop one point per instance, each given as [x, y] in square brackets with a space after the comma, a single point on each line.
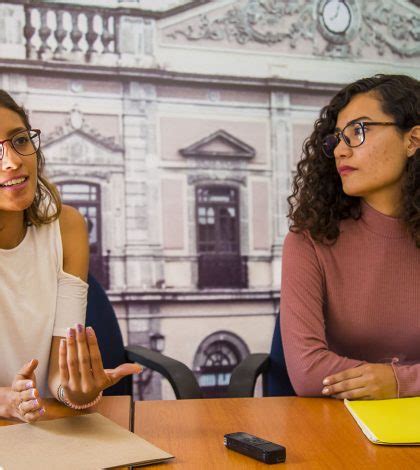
[89, 331]
[325, 390]
[326, 382]
[35, 402]
[42, 411]
[79, 327]
[33, 393]
[29, 385]
[70, 332]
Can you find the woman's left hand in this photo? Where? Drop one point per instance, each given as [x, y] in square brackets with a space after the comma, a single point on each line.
[365, 382]
[82, 374]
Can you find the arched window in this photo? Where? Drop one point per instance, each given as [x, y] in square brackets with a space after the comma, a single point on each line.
[215, 360]
[219, 258]
[86, 198]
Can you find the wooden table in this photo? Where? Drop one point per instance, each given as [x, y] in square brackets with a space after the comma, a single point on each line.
[318, 433]
[118, 409]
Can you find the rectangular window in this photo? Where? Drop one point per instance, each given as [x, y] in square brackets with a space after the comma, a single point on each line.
[220, 263]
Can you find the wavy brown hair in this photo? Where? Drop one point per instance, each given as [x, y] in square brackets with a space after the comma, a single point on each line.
[46, 206]
[318, 203]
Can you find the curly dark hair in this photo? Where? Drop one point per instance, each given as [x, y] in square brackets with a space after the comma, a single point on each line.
[318, 203]
[46, 206]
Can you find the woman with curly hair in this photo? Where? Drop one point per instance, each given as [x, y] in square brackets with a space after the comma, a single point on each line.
[350, 294]
[45, 349]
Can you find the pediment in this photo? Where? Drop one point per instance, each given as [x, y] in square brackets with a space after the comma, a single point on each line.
[84, 132]
[79, 149]
[219, 144]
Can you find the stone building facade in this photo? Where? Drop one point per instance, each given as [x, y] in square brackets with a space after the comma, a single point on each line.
[174, 126]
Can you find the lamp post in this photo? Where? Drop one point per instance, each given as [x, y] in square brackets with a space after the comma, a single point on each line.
[156, 343]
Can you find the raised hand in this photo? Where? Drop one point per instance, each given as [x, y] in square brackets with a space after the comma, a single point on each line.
[25, 402]
[82, 374]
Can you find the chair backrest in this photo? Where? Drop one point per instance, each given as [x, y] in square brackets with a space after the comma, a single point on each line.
[101, 317]
[277, 378]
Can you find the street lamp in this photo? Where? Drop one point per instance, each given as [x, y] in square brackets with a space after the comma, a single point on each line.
[156, 343]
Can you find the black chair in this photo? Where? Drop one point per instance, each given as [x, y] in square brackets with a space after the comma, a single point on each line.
[101, 317]
[272, 366]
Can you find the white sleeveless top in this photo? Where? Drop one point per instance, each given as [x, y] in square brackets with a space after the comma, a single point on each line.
[38, 300]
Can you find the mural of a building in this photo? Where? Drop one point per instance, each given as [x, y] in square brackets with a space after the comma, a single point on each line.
[175, 127]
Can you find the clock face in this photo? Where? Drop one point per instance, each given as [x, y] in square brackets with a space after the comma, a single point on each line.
[337, 16]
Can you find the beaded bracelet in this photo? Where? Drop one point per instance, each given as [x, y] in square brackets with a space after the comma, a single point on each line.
[63, 399]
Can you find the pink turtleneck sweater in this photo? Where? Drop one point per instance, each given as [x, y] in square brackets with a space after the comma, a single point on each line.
[353, 302]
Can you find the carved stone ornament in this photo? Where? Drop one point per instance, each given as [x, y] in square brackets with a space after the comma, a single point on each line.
[219, 144]
[388, 26]
[76, 119]
[261, 21]
[76, 123]
[382, 24]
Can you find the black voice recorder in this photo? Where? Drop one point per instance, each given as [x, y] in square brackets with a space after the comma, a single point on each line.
[255, 447]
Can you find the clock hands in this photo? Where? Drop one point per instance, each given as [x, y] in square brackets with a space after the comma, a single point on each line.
[337, 10]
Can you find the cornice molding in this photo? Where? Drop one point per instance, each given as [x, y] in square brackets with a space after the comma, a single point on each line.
[218, 179]
[163, 77]
[128, 11]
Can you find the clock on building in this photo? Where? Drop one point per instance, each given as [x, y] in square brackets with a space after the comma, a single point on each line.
[336, 15]
[338, 20]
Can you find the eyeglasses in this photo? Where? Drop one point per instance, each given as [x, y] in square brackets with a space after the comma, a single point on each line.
[353, 135]
[24, 142]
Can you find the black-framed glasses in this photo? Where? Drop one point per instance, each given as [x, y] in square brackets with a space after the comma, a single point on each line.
[353, 135]
[24, 142]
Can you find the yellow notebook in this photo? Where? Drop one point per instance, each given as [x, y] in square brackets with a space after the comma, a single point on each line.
[393, 422]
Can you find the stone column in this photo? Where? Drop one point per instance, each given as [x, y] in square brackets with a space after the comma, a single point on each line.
[143, 252]
[135, 121]
[117, 234]
[281, 156]
[142, 199]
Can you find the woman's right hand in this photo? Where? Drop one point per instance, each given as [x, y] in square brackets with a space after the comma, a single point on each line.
[25, 403]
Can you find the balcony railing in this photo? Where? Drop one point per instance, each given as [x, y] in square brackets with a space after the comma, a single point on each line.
[68, 32]
[222, 270]
[65, 32]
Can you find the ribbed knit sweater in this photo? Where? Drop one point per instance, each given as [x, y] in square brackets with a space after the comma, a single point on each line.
[352, 302]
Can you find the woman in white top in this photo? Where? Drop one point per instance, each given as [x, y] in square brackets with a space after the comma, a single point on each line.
[44, 348]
